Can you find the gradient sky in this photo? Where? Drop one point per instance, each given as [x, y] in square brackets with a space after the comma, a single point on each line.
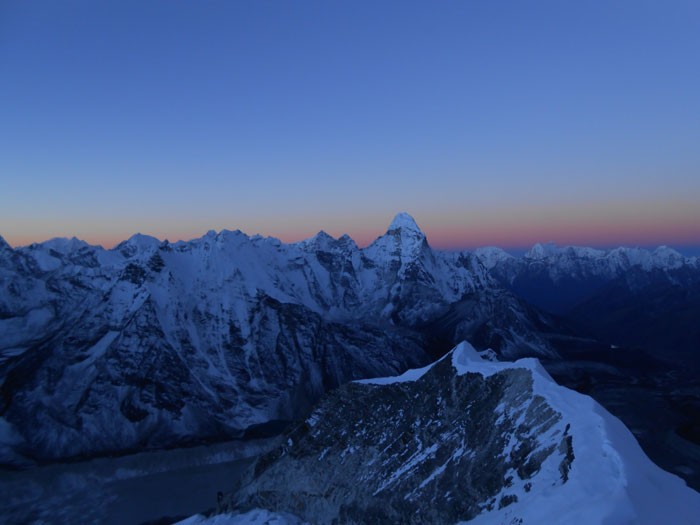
[491, 122]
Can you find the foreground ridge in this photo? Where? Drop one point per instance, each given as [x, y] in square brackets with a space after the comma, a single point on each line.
[464, 439]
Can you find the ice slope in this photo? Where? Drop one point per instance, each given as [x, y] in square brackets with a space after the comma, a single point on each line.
[465, 440]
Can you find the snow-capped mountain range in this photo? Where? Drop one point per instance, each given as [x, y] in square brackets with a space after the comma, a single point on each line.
[464, 439]
[577, 260]
[625, 296]
[155, 344]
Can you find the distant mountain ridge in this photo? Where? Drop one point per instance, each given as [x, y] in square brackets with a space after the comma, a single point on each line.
[155, 344]
[625, 296]
[568, 260]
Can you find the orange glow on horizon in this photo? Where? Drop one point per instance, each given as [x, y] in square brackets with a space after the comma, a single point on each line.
[526, 235]
[636, 223]
[469, 235]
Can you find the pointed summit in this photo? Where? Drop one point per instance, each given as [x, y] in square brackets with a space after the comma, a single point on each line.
[405, 222]
[403, 240]
[322, 236]
[320, 241]
[542, 251]
[347, 242]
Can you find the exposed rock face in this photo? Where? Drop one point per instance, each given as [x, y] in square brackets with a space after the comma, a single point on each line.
[440, 449]
[463, 439]
[154, 344]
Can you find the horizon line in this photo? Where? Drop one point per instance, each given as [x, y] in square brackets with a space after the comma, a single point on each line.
[519, 248]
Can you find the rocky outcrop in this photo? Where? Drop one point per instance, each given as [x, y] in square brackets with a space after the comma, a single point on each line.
[440, 449]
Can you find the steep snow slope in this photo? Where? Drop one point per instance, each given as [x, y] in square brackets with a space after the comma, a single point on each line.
[464, 439]
[154, 344]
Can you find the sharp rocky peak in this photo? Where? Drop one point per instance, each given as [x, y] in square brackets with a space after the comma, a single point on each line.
[319, 238]
[347, 241]
[324, 242]
[403, 221]
[403, 237]
[4, 245]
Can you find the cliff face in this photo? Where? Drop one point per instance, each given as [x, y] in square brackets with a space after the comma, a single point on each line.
[440, 450]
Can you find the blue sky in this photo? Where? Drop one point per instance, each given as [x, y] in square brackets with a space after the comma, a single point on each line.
[491, 122]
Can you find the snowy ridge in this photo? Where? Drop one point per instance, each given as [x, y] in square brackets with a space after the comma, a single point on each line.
[491, 256]
[609, 467]
[409, 446]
